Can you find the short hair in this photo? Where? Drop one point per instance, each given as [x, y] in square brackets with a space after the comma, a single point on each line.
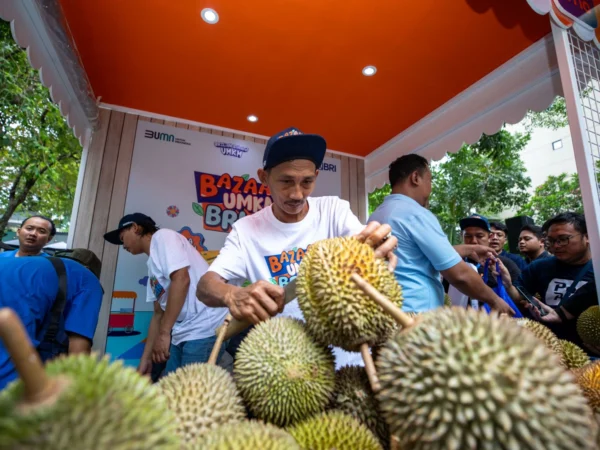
[575, 219]
[535, 230]
[148, 226]
[401, 169]
[499, 226]
[49, 220]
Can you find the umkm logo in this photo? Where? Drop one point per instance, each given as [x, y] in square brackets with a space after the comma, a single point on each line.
[234, 150]
[160, 136]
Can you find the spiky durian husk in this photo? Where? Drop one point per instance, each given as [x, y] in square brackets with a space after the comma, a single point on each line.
[202, 397]
[336, 311]
[543, 333]
[245, 436]
[282, 374]
[588, 326]
[334, 430]
[353, 396]
[105, 406]
[447, 301]
[463, 379]
[573, 356]
[588, 379]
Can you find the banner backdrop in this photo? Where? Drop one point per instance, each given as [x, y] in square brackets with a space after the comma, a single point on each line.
[195, 183]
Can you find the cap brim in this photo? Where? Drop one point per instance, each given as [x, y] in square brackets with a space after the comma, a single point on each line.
[298, 146]
[113, 237]
[472, 222]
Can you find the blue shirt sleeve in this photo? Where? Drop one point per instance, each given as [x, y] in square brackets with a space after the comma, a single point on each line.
[432, 241]
[84, 301]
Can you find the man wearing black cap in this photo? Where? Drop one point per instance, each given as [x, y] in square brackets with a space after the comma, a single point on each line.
[268, 246]
[182, 330]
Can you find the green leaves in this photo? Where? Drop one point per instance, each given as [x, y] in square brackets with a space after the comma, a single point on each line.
[198, 209]
[246, 177]
[558, 194]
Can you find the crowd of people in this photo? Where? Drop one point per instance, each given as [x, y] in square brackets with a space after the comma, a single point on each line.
[59, 298]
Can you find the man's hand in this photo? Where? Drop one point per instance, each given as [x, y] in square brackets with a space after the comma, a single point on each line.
[256, 302]
[379, 237]
[506, 280]
[145, 367]
[481, 253]
[161, 349]
[501, 307]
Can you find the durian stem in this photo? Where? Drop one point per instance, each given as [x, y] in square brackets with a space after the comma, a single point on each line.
[370, 368]
[214, 354]
[24, 357]
[402, 318]
[394, 444]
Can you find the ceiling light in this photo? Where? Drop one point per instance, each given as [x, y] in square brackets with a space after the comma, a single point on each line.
[252, 118]
[369, 71]
[209, 15]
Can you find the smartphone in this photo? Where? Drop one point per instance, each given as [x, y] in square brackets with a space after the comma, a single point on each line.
[532, 300]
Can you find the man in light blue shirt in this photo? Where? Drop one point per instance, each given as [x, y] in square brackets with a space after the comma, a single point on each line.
[423, 249]
[34, 233]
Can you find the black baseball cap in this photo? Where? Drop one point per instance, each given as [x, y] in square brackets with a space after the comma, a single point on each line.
[126, 221]
[475, 220]
[291, 144]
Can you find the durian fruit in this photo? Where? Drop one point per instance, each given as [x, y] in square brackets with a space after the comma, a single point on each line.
[353, 396]
[336, 311]
[103, 406]
[247, 435]
[463, 379]
[282, 374]
[202, 397]
[334, 430]
[588, 326]
[588, 379]
[543, 333]
[573, 356]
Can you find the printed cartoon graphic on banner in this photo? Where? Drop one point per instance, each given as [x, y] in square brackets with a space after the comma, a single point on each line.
[198, 184]
[223, 199]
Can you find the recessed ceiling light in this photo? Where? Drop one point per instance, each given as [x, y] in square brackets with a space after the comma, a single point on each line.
[369, 71]
[209, 15]
[252, 118]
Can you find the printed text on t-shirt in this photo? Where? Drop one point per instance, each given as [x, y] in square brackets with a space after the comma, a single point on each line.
[284, 266]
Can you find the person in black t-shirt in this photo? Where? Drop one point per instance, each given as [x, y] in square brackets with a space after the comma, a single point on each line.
[552, 278]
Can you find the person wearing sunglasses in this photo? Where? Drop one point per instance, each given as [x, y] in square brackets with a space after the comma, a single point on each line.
[565, 282]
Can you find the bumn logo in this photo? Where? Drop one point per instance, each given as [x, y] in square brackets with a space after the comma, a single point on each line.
[160, 136]
[149, 134]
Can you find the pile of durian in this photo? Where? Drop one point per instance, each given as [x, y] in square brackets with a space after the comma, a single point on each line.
[447, 379]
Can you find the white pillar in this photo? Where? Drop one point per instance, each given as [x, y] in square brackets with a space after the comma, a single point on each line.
[577, 69]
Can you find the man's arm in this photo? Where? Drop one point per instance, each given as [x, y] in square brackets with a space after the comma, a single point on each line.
[146, 360]
[475, 252]
[467, 281]
[256, 302]
[79, 344]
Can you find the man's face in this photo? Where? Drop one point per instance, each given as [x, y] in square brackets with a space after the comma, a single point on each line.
[34, 234]
[290, 184]
[131, 239]
[529, 242]
[476, 236]
[566, 243]
[497, 239]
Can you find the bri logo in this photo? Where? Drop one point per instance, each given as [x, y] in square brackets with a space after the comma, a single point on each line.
[326, 167]
[228, 149]
[149, 134]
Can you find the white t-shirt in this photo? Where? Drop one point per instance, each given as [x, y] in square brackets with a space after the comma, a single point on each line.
[169, 252]
[260, 247]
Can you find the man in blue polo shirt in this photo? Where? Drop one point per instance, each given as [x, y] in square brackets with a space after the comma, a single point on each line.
[34, 233]
[30, 287]
[423, 249]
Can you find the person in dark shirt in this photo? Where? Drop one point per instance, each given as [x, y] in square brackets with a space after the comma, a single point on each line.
[552, 278]
[476, 230]
[498, 236]
[531, 243]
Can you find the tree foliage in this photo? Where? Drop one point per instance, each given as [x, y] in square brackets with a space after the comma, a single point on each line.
[553, 117]
[487, 177]
[558, 194]
[39, 155]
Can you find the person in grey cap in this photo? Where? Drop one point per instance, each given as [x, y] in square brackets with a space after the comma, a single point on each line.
[182, 330]
[267, 247]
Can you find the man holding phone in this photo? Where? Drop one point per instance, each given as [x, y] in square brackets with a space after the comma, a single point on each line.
[565, 281]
